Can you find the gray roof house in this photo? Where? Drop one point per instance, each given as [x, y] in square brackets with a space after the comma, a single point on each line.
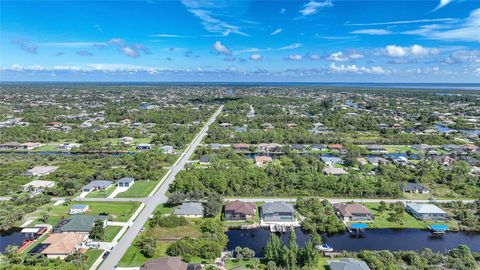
[125, 182]
[80, 223]
[189, 209]
[347, 264]
[426, 211]
[278, 212]
[414, 188]
[97, 185]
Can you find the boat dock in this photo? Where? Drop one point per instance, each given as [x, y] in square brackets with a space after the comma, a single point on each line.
[438, 229]
[281, 228]
[357, 229]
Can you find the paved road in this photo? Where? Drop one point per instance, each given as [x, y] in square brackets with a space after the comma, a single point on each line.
[338, 200]
[152, 202]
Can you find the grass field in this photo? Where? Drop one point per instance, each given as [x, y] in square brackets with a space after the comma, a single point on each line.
[118, 211]
[111, 232]
[101, 193]
[408, 221]
[139, 189]
[92, 255]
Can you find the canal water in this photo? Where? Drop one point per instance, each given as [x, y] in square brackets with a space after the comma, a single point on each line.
[11, 237]
[445, 129]
[375, 239]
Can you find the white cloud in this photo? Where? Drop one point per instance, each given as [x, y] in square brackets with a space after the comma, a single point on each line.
[357, 70]
[376, 32]
[116, 41]
[72, 44]
[295, 57]
[277, 31]
[256, 57]
[414, 50]
[314, 57]
[168, 36]
[129, 51]
[404, 22]
[463, 56]
[291, 46]
[356, 55]
[220, 48]
[313, 6]
[338, 56]
[467, 30]
[442, 4]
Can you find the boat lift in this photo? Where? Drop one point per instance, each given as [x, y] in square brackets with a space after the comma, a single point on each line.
[438, 229]
[357, 229]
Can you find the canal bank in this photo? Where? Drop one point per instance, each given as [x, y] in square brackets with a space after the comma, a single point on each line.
[374, 239]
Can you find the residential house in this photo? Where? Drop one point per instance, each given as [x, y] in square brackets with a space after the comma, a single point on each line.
[444, 160]
[55, 124]
[190, 210]
[80, 223]
[362, 161]
[330, 170]
[225, 125]
[97, 185]
[41, 170]
[60, 245]
[353, 212]
[347, 264]
[143, 146]
[278, 212]
[9, 146]
[126, 140]
[238, 210]
[269, 147]
[330, 160]
[318, 147]
[374, 160]
[38, 186]
[125, 182]
[67, 146]
[165, 263]
[215, 146]
[78, 209]
[297, 147]
[167, 149]
[262, 160]
[28, 146]
[204, 160]
[267, 126]
[292, 125]
[426, 211]
[377, 149]
[241, 146]
[241, 129]
[335, 147]
[471, 148]
[414, 188]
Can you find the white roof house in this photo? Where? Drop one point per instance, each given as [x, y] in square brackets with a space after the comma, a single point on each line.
[425, 208]
[334, 171]
[41, 170]
[38, 185]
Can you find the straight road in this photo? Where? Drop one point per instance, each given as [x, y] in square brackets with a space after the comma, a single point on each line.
[152, 202]
[343, 200]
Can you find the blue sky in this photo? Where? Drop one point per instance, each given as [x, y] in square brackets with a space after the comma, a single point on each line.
[208, 40]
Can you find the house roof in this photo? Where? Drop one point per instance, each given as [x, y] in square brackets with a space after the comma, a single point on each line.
[63, 243]
[204, 159]
[42, 169]
[413, 187]
[40, 184]
[80, 223]
[165, 263]
[247, 208]
[98, 184]
[334, 171]
[189, 208]
[347, 264]
[318, 146]
[425, 208]
[348, 210]
[277, 207]
[263, 159]
[126, 180]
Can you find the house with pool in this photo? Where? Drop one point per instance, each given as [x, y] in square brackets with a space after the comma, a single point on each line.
[426, 211]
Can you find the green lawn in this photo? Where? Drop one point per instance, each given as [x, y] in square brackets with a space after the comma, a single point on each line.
[92, 255]
[140, 189]
[408, 221]
[111, 232]
[102, 193]
[117, 211]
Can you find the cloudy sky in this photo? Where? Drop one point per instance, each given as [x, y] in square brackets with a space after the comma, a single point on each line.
[209, 40]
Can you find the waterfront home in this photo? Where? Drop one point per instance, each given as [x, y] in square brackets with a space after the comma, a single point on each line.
[318, 147]
[269, 147]
[78, 209]
[37, 186]
[238, 210]
[414, 188]
[331, 160]
[347, 264]
[97, 185]
[126, 140]
[28, 146]
[277, 212]
[426, 211]
[80, 223]
[67, 146]
[330, 170]
[353, 212]
[143, 146]
[60, 245]
[125, 182]
[41, 170]
[189, 210]
[377, 160]
[167, 149]
[9, 146]
[377, 149]
[165, 263]
[297, 147]
[335, 147]
[241, 146]
[262, 160]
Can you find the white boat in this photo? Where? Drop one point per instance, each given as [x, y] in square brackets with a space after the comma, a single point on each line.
[324, 247]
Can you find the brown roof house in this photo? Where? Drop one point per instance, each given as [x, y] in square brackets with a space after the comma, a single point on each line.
[353, 212]
[60, 245]
[262, 160]
[238, 210]
[165, 263]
